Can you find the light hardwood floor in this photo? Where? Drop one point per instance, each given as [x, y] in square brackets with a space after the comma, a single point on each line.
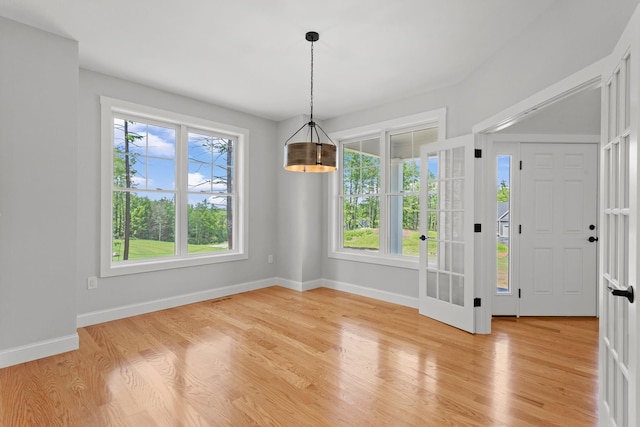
[318, 358]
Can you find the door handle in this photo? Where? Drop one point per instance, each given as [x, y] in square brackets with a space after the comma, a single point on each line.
[423, 237]
[627, 293]
[593, 239]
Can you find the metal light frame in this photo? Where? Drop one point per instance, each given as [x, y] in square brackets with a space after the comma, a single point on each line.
[310, 154]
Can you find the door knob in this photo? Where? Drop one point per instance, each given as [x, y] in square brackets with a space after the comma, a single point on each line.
[423, 237]
[593, 239]
[592, 227]
[627, 293]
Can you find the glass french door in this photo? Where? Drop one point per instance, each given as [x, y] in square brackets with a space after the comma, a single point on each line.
[446, 256]
[619, 397]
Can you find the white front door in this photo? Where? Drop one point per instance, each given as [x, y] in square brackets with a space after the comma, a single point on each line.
[446, 256]
[558, 229]
[619, 396]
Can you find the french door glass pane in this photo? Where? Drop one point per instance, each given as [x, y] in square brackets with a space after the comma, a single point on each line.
[457, 290]
[445, 216]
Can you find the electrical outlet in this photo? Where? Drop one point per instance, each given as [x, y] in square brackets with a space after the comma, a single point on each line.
[92, 282]
[270, 259]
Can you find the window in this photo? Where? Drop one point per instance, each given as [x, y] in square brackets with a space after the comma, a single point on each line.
[375, 205]
[173, 187]
[503, 222]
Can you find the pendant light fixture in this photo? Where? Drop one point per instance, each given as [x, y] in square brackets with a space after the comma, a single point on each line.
[305, 150]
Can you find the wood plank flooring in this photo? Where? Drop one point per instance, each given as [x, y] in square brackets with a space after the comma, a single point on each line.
[318, 358]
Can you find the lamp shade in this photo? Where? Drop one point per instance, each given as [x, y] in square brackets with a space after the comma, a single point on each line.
[310, 157]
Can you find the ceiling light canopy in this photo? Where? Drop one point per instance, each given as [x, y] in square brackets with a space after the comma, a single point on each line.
[310, 149]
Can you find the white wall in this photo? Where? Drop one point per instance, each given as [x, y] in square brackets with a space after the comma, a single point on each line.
[38, 192]
[124, 295]
[300, 210]
[570, 36]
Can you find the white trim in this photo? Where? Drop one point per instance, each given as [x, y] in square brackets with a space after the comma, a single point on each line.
[547, 138]
[109, 106]
[391, 297]
[121, 312]
[170, 262]
[390, 260]
[153, 113]
[439, 115]
[38, 350]
[299, 286]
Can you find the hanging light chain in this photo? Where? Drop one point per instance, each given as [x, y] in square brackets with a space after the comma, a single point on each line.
[311, 80]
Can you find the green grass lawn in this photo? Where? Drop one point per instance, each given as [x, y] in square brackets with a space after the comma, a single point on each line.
[367, 238]
[143, 249]
[502, 253]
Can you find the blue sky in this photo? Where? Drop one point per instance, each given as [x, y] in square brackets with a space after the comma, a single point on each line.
[503, 163]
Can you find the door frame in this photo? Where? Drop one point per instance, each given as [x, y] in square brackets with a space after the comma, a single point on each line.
[515, 244]
[585, 79]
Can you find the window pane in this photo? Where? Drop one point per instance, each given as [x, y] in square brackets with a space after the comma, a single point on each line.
[209, 219]
[404, 220]
[432, 284]
[405, 158]
[361, 167]
[444, 287]
[351, 155]
[433, 163]
[370, 179]
[159, 175]
[457, 290]
[144, 155]
[210, 163]
[503, 225]
[143, 225]
[361, 217]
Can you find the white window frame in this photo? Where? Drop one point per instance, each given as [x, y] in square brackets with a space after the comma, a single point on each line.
[111, 107]
[381, 130]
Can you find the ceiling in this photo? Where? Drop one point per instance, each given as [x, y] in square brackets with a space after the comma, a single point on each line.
[251, 55]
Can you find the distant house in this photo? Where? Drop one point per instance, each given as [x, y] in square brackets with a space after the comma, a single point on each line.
[502, 226]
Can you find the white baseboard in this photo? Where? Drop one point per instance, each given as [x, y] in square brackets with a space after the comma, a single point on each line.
[38, 350]
[298, 286]
[108, 315]
[372, 293]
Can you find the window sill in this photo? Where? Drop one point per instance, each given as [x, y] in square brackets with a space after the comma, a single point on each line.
[146, 266]
[388, 260]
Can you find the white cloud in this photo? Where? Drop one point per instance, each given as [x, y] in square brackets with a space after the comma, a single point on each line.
[218, 201]
[158, 147]
[197, 181]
